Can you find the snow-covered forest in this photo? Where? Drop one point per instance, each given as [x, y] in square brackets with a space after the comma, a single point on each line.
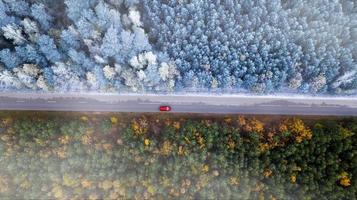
[257, 46]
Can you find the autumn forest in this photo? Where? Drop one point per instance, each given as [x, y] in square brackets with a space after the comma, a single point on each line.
[132, 156]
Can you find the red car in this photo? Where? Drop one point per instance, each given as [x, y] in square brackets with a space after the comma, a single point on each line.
[165, 108]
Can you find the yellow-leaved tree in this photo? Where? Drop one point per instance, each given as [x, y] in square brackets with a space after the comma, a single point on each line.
[252, 125]
[4, 187]
[344, 179]
[140, 127]
[297, 128]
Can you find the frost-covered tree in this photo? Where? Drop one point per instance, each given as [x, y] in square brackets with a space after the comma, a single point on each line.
[90, 37]
[134, 16]
[10, 59]
[100, 29]
[48, 48]
[28, 74]
[167, 71]
[263, 43]
[66, 79]
[69, 39]
[18, 7]
[31, 70]
[13, 32]
[8, 80]
[295, 81]
[5, 18]
[109, 72]
[31, 29]
[39, 13]
[42, 83]
[145, 68]
[92, 79]
[166, 45]
[318, 83]
[28, 41]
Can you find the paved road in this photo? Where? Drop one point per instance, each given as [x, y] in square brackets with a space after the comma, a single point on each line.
[180, 104]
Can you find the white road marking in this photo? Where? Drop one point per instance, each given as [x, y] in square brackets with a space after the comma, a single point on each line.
[332, 106]
[298, 106]
[153, 103]
[158, 103]
[301, 106]
[20, 101]
[270, 105]
[82, 102]
[51, 101]
[181, 104]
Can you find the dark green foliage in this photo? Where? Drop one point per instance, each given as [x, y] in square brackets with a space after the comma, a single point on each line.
[94, 157]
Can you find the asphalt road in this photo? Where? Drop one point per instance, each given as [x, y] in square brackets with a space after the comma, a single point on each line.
[180, 104]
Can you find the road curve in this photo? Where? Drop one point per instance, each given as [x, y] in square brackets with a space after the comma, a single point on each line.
[282, 105]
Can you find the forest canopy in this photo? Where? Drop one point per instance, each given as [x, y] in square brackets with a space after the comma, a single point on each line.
[126, 156]
[254, 46]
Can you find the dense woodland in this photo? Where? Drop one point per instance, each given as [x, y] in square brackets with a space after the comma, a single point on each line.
[92, 156]
[259, 46]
